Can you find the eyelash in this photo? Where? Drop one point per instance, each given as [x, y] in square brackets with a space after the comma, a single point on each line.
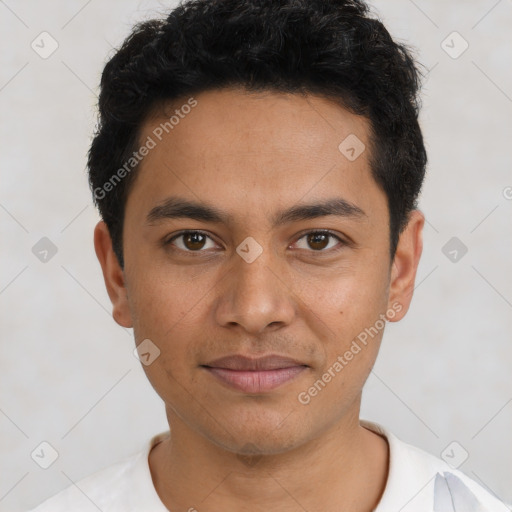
[342, 242]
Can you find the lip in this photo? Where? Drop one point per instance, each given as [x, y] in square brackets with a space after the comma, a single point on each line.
[240, 362]
[255, 375]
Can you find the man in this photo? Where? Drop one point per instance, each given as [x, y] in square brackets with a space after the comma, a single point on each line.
[257, 167]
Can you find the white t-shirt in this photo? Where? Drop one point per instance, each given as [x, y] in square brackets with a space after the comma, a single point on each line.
[417, 482]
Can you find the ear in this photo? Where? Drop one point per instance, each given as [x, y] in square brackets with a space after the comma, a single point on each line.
[112, 274]
[405, 264]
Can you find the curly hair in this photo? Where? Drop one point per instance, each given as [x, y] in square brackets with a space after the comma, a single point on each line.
[331, 48]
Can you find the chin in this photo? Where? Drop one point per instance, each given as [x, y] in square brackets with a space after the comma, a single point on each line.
[262, 437]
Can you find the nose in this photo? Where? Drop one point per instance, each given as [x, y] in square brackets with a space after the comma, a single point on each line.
[255, 296]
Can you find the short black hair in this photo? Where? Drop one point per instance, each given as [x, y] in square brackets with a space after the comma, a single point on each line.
[331, 48]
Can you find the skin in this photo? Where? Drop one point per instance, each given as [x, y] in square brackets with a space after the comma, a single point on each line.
[253, 154]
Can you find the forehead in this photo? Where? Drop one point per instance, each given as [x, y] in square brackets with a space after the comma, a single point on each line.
[253, 150]
[234, 118]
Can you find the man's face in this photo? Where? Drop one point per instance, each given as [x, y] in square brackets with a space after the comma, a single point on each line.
[307, 296]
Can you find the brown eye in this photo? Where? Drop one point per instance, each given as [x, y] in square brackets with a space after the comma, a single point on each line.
[320, 241]
[194, 241]
[191, 241]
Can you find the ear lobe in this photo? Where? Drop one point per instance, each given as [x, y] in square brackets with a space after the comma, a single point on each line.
[405, 265]
[112, 274]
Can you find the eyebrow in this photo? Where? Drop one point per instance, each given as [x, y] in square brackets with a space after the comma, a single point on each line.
[179, 208]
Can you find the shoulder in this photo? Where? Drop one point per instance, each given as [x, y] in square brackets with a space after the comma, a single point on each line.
[119, 487]
[421, 482]
[93, 492]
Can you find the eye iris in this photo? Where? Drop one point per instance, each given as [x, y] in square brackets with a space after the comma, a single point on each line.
[318, 241]
[194, 240]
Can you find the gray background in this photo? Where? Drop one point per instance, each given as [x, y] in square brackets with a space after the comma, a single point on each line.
[68, 374]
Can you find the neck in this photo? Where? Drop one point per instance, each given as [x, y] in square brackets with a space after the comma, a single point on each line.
[342, 468]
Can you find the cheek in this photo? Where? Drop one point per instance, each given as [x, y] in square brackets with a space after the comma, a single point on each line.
[162, 300]
[350, 297]
[348, 309]
[170, 321]
[167, 315]
[351, 311]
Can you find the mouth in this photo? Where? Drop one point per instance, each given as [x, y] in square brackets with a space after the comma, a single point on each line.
[255, 375]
